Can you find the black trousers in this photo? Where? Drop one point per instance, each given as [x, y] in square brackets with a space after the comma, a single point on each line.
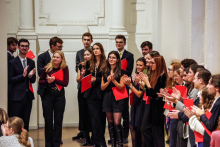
[173, 132]
[125, 116]
[53, 102]
[84, 117]
[21, 109]
[98, 118]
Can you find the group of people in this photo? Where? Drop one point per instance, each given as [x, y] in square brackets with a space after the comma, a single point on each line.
[159, 111]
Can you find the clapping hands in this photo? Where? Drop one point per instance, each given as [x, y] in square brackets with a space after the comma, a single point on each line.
[50, 79]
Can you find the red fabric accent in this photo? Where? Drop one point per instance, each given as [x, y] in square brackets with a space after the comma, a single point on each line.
[30, 87]
[131, 97]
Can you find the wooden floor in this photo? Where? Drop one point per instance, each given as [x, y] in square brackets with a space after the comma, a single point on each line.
[68, 133]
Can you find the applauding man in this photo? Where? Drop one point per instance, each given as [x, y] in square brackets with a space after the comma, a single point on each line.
[21, 74]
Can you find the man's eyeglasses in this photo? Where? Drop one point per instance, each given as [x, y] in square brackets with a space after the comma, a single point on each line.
[59, 46]
[24, 46]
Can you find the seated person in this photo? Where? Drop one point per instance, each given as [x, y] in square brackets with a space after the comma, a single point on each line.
[3, 118]
[14, 134]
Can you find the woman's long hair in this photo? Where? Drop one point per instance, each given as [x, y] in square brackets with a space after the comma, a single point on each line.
[117, 70]
[93, 61]
[170, 81]
[84, 62]
[160, 69]
[17, 125]
[3, 116]
[50, 65]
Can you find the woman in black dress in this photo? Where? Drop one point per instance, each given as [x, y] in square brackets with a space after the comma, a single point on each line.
[94, 96]
[137, 108]
[85, 125]
[53, 99]
[113, 77]
[153, 126]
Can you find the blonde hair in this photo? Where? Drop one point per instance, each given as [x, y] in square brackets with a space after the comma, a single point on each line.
[17, 125]
[3, 116]
[49, 66]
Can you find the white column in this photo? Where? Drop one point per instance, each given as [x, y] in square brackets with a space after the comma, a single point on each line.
[26, 16]
[118, 15]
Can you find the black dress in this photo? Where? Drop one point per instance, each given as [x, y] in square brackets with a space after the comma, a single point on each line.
[84, 118]
[137, 110]
[109, 102]
[153, 120]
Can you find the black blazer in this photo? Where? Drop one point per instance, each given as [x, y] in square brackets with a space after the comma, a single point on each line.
[96, 86]
[79, 58]
[42, 60]
[130, 59]
[10, 57]
[19, 83]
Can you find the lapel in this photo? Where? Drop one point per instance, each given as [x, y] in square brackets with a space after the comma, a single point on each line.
[124, 55]
[28, 63]
[81, 55]
[47, 57]
[18, 62]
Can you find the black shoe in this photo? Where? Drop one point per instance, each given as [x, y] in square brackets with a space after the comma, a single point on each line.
[125, 141]
[86, 139]
[119, 135]
[61, 142]
[78, 136]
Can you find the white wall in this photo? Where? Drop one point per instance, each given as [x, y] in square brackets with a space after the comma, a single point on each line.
[3, 56]
[178, 29]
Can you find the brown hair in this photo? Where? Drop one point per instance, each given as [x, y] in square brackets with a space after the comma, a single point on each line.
[215, 81]
[3, 116]
[170, 81]
[54, 41]
[17, 125]
[207, 99]
[120, 37]
[84, 62]
[87, 34]
[204, 74]
[147, 43]
[93, 61]
[154, 53]
[11, 40]
[160, 69]
[187, 62]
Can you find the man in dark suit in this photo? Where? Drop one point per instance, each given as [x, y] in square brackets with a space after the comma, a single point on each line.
[21, 74]
[124, 54]
[44, 58]
[12, 44]
[87, 41]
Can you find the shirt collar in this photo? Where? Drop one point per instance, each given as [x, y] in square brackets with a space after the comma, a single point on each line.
[51, 54]
[22, 58]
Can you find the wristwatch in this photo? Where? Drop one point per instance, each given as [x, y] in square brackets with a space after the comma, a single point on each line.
[131, 86]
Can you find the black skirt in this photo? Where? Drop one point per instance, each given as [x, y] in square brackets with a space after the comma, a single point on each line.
[110, 104]
[137, 111]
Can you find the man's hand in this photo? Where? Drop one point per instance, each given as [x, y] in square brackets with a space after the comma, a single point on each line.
[25, 71]
[32, 72]
[173, 114]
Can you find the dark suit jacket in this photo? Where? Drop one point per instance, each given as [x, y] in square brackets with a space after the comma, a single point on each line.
[42, 60]
[19, 83]
[96, 86]
[130, 59]
[79, 58]
[10, 57]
